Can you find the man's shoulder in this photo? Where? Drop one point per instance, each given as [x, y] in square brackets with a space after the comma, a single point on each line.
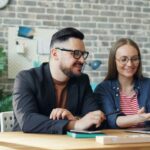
[27, 73]
[33, 72]
[82, 77]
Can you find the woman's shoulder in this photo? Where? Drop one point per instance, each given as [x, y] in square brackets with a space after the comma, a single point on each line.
[143, 83]
[144, 80]
[107, 84]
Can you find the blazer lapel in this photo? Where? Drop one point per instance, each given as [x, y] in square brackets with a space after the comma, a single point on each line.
[72, 99]
[50, 90]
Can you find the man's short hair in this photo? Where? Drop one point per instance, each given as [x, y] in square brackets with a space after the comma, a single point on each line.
[66, 33]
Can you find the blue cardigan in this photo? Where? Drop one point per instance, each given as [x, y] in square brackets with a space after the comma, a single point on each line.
[107, 96]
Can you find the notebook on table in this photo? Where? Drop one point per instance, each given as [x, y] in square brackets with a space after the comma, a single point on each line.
[84, 133]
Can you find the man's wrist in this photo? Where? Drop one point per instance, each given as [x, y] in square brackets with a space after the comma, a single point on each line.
[77, 117]
[71, 125]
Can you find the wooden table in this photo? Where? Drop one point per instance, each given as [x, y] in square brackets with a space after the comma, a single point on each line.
[26, 141]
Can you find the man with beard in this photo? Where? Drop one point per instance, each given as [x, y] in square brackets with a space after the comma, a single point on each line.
[57, 96]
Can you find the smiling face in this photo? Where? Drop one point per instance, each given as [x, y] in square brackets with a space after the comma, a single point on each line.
[67, 63]
[127, 61]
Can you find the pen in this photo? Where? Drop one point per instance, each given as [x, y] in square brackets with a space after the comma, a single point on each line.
[115, 112]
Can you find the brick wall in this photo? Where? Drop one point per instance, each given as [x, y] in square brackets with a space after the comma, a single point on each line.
[102, 21]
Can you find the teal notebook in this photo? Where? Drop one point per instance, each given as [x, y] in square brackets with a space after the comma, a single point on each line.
[84, 135]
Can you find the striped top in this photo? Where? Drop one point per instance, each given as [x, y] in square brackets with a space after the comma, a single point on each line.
[129, 105]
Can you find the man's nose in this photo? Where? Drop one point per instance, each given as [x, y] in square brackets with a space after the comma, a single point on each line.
[81, 59]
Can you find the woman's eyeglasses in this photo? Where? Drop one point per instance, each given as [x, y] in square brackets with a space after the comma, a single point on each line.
[124, 60]
[76, 53]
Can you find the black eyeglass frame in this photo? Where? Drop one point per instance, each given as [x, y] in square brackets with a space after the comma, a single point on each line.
[76, 53]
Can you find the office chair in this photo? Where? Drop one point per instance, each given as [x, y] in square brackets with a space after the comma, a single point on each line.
[6, 121]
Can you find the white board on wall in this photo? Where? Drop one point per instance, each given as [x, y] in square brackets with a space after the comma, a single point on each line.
[24, 53]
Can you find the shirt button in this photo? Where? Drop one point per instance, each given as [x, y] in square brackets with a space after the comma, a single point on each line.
[116, 94]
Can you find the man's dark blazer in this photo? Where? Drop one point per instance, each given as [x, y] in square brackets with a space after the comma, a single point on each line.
[34, 98]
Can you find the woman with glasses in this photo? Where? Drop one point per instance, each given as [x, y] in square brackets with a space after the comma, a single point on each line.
[124, 95]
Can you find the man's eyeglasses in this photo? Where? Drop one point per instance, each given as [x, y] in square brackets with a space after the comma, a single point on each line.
[124, 60]
[76, 53]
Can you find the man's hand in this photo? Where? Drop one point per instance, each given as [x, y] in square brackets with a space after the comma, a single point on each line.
[60, 113]
[92, 118]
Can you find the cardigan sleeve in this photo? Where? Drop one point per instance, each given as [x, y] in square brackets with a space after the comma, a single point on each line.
[106, 100]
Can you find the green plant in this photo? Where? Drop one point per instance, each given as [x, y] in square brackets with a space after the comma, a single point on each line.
[5, 97]
[6, 103]
[2, 60]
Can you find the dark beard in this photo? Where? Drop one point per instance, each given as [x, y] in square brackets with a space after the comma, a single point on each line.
[69, 73]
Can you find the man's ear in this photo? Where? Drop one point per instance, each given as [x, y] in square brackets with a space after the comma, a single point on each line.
[54, 53]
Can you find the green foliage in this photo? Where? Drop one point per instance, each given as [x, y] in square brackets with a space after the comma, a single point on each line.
[5, 98]
[2, 60]
[6, 104]
[5, 101]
